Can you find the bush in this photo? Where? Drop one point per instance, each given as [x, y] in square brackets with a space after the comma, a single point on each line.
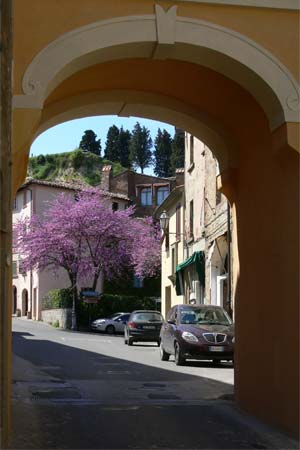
[58, 298]
[41, 160]
[77, 158]
[56, 324]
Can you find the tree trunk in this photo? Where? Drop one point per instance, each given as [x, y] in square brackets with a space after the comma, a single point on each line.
[95, 282]
[73, 279]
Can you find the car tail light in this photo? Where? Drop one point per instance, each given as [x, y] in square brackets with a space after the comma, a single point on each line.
[132, 325]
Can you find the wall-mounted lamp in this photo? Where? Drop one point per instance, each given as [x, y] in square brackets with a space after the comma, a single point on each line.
[164, 221]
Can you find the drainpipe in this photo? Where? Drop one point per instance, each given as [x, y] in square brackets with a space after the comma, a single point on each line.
[228, 300]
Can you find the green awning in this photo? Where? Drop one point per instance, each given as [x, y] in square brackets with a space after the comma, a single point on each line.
[197, 258]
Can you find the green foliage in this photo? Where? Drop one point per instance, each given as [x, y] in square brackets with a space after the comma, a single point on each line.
[89, 143]
[41, 160]
[110, 304]
[55, 324]
[77, 158]
[177, 158]
[140, 147]
[70, 166]
[151, 286]
[162, 154]
[112, 149]
[124, 147]
[58, 298]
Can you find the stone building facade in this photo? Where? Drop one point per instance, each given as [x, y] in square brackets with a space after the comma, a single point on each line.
[202, 272]
[146, 192]
[208, 229]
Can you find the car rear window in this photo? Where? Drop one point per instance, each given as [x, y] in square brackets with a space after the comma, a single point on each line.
[147, 317]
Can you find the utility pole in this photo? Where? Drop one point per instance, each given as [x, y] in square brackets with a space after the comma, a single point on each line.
[5, 216]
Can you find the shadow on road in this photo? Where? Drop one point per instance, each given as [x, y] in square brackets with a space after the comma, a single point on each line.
[95, 401]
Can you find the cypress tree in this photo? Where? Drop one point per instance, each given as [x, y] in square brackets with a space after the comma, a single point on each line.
[124, 151]
[177, 157]
[162, 154]
[140, 147]
[112, 150]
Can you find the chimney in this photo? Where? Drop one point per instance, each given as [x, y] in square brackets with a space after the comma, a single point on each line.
[106, 177]
[179, 174]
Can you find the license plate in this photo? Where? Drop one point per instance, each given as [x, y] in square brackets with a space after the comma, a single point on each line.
[148, 327]
[216, 349]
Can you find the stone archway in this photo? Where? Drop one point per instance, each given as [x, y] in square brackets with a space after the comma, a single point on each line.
[242, 101]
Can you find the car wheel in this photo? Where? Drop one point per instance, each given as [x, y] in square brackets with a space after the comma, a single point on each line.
[179, 359]
[130, 341]
[164, 356]
[110, 329]
[125, 341]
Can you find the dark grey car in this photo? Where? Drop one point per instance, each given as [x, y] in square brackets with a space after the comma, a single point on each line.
[143, 326]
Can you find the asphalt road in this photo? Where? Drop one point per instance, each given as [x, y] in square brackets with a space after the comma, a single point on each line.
[84, 390]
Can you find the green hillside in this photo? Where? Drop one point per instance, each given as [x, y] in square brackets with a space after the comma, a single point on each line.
[71, 166]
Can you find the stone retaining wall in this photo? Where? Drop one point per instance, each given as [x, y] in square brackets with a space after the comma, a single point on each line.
[63, 316]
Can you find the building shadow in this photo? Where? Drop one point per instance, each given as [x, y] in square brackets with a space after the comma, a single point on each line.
[92, 400]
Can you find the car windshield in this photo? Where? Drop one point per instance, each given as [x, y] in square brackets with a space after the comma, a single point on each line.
[147, 317]
[114, 316]
[206, 315]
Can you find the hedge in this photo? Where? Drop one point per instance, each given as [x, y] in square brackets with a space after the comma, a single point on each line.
[106, 306]
[110, 304]
[58, 298]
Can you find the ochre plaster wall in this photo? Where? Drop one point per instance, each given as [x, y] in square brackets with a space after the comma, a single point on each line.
[267, 296]
[49, 19]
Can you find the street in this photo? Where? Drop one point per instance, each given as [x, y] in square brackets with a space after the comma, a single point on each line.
[83, 390]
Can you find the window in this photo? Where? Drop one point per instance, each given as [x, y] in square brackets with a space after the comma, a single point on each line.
[191, 218]
[174, 258]
[15, 269]
[21, 268]
[146, 196]
[115, 206]
[178, 222]
[161, 193]
[191, 150]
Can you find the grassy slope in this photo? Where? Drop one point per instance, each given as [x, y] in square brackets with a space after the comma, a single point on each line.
[71, 166]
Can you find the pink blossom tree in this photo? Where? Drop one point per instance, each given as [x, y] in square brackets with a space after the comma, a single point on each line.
[82, 235]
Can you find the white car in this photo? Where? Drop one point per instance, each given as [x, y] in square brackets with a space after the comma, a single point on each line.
[111, 325]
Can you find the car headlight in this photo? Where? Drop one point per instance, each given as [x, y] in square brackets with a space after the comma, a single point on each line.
[189, 337]
[98, 321]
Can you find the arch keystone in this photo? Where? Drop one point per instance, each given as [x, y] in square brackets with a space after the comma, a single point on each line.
[166, 24]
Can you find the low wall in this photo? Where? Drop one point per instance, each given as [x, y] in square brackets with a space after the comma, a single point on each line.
[63, 316]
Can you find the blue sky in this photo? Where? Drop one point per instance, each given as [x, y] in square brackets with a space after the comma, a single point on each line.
[66, 136]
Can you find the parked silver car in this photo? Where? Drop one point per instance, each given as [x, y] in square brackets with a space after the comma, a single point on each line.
[112, 324]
